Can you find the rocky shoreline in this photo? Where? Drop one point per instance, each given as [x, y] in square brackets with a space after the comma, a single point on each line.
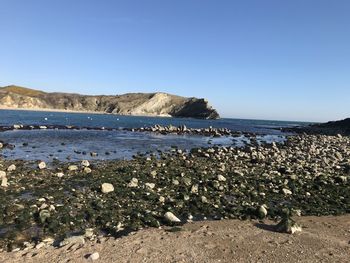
[62, 203]
[164, 130]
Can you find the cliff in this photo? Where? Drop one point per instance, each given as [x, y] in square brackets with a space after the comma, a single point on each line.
[139, 104]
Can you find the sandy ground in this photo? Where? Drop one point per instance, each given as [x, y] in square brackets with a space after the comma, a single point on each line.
[323, 239]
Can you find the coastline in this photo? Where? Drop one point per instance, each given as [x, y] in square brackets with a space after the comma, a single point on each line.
[82, 112]
[270, 181]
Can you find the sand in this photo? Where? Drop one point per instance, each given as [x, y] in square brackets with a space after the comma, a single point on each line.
[323, 239]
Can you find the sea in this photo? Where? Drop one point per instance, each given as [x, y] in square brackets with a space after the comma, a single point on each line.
[75, 145]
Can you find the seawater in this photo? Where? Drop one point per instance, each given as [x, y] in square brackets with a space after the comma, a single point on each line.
[74, 145]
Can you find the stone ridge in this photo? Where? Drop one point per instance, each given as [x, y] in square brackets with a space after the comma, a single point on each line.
[138, 104]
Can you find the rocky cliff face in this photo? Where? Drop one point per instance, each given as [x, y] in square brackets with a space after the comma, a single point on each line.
[145, 104]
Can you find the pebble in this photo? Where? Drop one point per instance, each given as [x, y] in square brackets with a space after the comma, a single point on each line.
[221, 178]
[262, 211]
[87, 170]
[150, 185]
[59, 174]
[42, 165]
[133, 183]
[73, 167]
[4, 182]
[11, 168]
[286, 191]
[72, 241]
[85, 163]
[171, 217]
[94, 256]
[107, 188]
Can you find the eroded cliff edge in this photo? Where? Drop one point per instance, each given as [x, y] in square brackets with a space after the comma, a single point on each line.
[138, 104]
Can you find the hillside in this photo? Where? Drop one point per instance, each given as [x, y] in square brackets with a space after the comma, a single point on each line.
[138, 104]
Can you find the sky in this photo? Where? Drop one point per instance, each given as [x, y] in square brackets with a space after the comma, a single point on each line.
[256, 59]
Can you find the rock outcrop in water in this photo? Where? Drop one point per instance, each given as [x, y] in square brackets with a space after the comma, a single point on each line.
[341, 127]
[139, 104]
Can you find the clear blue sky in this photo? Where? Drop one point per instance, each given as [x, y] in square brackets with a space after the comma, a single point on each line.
[262, 59]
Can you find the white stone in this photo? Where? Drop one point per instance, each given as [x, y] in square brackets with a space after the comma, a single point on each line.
[107, 188]
[221, 178]
[150, 185]
[263, 210]
[11, 168]
[94, 256]
[73, 167]
[133, 183]
[40, 245]
[161, 199]
[42, 165]
[2, 174]
[60, 175]
[296, 228]
[286, 191]
[85, 163]
[4, 182]
[171, 217]
[87, 170]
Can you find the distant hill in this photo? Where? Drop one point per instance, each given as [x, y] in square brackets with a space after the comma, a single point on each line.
[139, 104]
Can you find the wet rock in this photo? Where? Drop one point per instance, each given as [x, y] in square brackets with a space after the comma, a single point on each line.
[150, 185]
[4, 182]
[11, 168]
[161, 199]
[2, 174]
[42, 165]
[73, 168]
[59, 174]
[194, 189]
[286, 191]
[93, 154]
[170, 217]
[44, 215]
[107, 188]
[221, 178]
[133, 183]
[73, 240]
[87, 170]
[85, 163]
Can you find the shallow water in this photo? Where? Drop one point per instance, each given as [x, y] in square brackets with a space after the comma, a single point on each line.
[74, 145]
